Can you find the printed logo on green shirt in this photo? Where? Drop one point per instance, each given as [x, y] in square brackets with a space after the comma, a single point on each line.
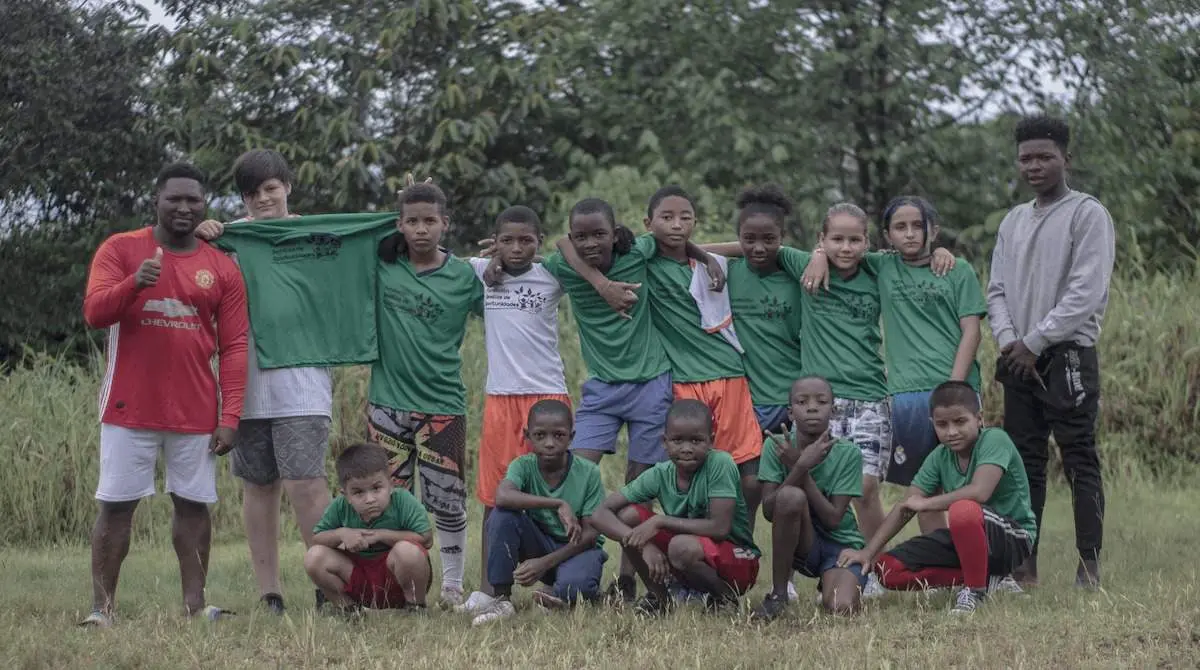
[858, 306]
[920, 293]
[774, 309]
[315, 246]
[420, 305]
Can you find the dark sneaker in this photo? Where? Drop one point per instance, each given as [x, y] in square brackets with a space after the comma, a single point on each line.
[320, 599]
[968, 600]
[772, 608]
[274, 603]
[1027, 574]
[651, 606]
[414, 609]
[1087, 575]
[622, 591]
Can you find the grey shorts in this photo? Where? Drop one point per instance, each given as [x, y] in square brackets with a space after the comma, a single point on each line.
[293, 447]
[869, 425]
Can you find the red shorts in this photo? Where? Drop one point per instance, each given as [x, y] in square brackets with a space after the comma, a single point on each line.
[736, 565]
[373, 585]
[502, 439]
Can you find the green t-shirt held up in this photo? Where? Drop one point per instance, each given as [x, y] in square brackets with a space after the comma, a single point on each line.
[921, 314]
[940, 473]
[581, 488]
[402, 513]
[717, 478]
[695, 355]
[840, 474]
[422, 322]
[616, 350]
[766, 313]
[311, 286]
[840, 336]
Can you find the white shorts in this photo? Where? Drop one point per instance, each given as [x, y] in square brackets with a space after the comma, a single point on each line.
[128, 457]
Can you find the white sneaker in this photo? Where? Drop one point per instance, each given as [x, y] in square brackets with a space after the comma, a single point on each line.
[452, 596]
[477, 602]
[499, 609]
[1005, 584]
[967, 601]
[792, 595]
[97, 619]
[873, 589]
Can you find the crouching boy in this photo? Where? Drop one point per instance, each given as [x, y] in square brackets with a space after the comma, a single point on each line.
[371, 547]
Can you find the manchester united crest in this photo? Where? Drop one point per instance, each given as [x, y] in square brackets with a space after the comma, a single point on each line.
[204, 279]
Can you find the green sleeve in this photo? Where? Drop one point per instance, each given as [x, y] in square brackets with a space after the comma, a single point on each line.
[994, 448]
[332, 518]
[645, 245]
[723, 480]
[645, 488]
[518, 473]
[847, 474]
[927, 478]
[793, 261]
[967, 291]
[769, 467]
[594, 495]
[875, 260]
[554, 264]
[477, 295]
[412, 514]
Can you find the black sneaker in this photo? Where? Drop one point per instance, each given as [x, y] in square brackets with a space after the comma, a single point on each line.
[321, 600]
[651, 606]
[274, 603]
[772, 607]
[414, 609]
[622, 591]
[968, 600]
[1087, 575]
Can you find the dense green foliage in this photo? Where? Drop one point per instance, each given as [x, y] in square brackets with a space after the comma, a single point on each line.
[537, 102]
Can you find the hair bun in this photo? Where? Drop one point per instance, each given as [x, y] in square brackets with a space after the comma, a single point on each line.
[769, 195]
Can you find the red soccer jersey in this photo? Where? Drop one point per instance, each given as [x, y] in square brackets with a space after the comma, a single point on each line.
[161, 339]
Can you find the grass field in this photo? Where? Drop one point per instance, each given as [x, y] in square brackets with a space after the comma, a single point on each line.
[1147, 616]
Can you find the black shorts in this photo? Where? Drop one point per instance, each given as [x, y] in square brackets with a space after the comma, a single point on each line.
[1008, 546]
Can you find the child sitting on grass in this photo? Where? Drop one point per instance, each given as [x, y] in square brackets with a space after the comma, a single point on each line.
[808, 481]
[540, 528]
[983, 486]
[371, 548]
[702, 539]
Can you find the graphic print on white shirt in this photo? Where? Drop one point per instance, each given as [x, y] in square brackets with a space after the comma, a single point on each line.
[520, 320]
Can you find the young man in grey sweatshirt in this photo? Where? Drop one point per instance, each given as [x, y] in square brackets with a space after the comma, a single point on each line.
[1046, 299]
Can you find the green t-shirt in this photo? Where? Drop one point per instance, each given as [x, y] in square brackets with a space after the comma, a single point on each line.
[695, 355]
[940, 472]
[422, 322]
[766, 312]
[840, 336]
[581, 488]
[310, 286]
[616, 350]
[717, 478]
[402, 513]
[920, 320]
[840, 474]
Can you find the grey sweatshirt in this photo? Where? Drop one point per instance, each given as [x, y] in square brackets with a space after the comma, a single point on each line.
[1050, 273]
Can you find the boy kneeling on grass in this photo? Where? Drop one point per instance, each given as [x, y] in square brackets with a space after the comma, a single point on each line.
[702, 539]
[371, 547]
[984, 488]
[808, 481]
[540, 528]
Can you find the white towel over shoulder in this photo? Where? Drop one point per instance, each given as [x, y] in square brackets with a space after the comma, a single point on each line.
[715, 313]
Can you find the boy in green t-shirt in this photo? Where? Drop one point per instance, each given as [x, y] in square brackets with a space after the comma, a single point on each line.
[983, 486]
[371, 547]
[703, 538]
[540, 529]
[808, 481]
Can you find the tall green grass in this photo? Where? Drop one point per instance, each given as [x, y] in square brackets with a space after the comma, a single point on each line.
[49, 429]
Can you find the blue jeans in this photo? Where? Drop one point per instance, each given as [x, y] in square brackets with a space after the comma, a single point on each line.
[514, 537]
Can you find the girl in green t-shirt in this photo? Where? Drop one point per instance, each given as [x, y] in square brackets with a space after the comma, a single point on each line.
[417, 402]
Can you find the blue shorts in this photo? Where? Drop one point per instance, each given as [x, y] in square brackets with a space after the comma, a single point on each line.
[913, 436]
[773, 418]
[642, 406]
[822, 557]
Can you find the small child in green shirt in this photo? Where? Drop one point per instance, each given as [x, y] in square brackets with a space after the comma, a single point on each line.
[977, 476]
[703, 538]
[371, 547]
[809, 480]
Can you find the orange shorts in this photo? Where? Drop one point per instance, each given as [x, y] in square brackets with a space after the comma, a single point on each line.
[502, 439]
[734, 422]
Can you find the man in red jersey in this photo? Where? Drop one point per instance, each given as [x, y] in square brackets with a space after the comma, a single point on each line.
[169, 303]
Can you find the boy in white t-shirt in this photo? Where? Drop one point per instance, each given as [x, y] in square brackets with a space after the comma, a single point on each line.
[284, 433]
[520, 316]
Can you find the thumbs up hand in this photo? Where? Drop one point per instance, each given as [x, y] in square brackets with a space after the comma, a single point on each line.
[147, 274]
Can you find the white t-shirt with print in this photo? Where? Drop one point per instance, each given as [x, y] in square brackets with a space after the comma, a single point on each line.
[520, 320]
